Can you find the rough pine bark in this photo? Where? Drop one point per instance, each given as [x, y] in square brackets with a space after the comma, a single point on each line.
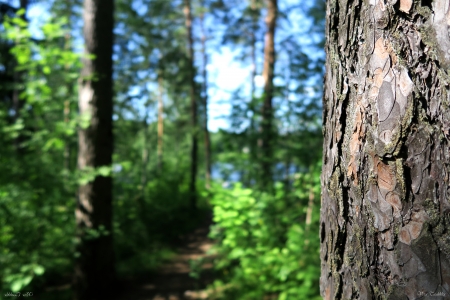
[385, 179]
[94, 268]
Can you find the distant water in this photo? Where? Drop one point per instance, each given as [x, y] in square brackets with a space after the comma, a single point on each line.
[226, 173]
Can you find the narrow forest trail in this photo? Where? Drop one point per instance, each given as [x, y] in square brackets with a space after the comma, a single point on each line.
[172, 281]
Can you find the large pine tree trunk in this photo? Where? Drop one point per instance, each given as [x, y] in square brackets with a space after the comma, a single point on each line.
[385, 181]
[94, 270]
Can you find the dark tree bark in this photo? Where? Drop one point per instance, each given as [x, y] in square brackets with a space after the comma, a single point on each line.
[253, 147]
[194, 143]
[205, 105]
[94, 270]
[385, 180]
[145, 152]
[160, 123]
[267, 110]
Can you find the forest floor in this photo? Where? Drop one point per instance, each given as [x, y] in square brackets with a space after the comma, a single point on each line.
[174, 280]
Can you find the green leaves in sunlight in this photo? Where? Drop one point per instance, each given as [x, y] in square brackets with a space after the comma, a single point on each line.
[89, 174]
[55, 30]
[18, 281]
[265, 246]
[37, 188]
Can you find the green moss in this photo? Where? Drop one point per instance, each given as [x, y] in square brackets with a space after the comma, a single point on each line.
[370, 221]
[409, 113]
[428, 35]
[392, 146]
[444, 93]
[439, 227]
[400, 176]
[445, 77]
[444, 244]
[376, 291]
[423, 11]
[337, 283]
[335, 191]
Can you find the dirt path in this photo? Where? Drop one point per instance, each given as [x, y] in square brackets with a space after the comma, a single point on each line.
[172, 280]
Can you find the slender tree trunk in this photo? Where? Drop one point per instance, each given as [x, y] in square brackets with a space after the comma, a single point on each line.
[160, 124]
[194, 145]
[253, 102]
[253, 68]
[253, 63]
[94, 269]
[287, 79]
[253, 40]
[267, 111]
[205, 106]
[145, 153]
[385, 179]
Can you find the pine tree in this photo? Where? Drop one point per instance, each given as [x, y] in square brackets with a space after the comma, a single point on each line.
[385, 197]
[94, 271]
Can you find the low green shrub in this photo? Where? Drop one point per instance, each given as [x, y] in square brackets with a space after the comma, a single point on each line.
[268, 245]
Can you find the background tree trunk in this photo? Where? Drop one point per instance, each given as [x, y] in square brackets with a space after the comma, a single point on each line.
[385, 178]
[253, 142]
[145, 152]
[160, 123]
[94, 271]
[205, 103]
[194, 145]
[267, 110]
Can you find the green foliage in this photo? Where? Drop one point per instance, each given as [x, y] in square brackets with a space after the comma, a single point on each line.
[264, 244]
[36, 191]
